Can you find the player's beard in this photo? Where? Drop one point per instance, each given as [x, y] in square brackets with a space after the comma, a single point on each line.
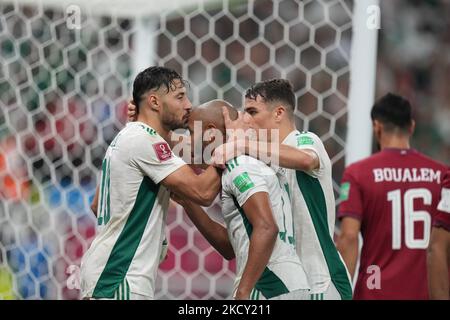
[170, 120]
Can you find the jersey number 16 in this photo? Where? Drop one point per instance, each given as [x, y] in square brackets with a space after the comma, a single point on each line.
[410, 217]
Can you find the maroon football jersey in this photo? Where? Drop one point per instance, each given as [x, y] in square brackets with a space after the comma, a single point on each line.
[394, 193]
[442, 218]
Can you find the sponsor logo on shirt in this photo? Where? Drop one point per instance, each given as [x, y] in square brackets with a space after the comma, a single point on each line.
[243, 182]
[162, 151]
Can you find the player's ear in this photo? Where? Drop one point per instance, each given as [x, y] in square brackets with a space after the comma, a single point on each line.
[153, 101]
[279, 112]
[377, 128]
[412, 127]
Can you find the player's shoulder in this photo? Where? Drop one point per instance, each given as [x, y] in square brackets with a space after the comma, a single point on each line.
[142, 131]
[303, 138]
[364, 164]
[306, 133]
[430, 161]
[140, 135]
[242, 162]
[446, 179]
[140, 140]
[245, 164]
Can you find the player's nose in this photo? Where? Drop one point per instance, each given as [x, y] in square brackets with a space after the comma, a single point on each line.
[188, 106]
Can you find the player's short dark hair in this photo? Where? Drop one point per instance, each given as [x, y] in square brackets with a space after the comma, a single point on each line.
[154, 78]
[274, 90]
[393, 111]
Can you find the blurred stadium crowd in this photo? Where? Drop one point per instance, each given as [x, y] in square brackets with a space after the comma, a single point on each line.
[63, 96]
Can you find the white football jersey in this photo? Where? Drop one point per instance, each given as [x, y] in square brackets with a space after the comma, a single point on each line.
[243, 177]
[132, 209]
[314, 213]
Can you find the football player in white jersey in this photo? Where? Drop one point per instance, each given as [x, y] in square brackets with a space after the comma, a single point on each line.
[270, 105]
[258, 217]
[138, 173]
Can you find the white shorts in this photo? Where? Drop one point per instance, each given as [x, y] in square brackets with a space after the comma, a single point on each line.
[293, 295]
[130, 296]
[330, 294]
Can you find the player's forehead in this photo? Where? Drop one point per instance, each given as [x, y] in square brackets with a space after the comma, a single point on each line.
[177, 86]
[257, 103]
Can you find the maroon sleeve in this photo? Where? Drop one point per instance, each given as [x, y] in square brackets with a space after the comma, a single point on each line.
[350, 196]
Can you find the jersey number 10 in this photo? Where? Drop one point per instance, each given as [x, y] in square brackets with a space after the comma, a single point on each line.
[410, 217]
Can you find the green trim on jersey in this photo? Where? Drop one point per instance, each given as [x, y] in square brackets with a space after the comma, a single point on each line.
[315, 201]
[254, 294]
[104, 214]
[316, 296]
[230, 166]
[268, 284]
[123, 291]
[286, 187]
[150, 131]
[129, 239]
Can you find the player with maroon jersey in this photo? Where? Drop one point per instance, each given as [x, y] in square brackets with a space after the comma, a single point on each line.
[390, 197]
[439, 249]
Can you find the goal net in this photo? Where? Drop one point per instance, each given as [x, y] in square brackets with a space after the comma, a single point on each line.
[65, 78]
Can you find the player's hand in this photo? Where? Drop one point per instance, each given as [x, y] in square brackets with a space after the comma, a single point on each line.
[227, 151]
[131, 112]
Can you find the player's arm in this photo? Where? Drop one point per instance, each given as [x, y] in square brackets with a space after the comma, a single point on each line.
[202, 188]
[438, 264]
[347, 242]
[350, 213]
[258, 211]
[287, 156]
[215, 233]
[155, 159]
[94, 203]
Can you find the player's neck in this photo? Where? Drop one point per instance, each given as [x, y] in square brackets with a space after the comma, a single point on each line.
[154, 122]
[285, 129]
[394, 142]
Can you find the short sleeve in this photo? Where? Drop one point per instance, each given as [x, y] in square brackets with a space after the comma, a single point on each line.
[154, 157]
[243, 177]
[310, 141]
[350, 197]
